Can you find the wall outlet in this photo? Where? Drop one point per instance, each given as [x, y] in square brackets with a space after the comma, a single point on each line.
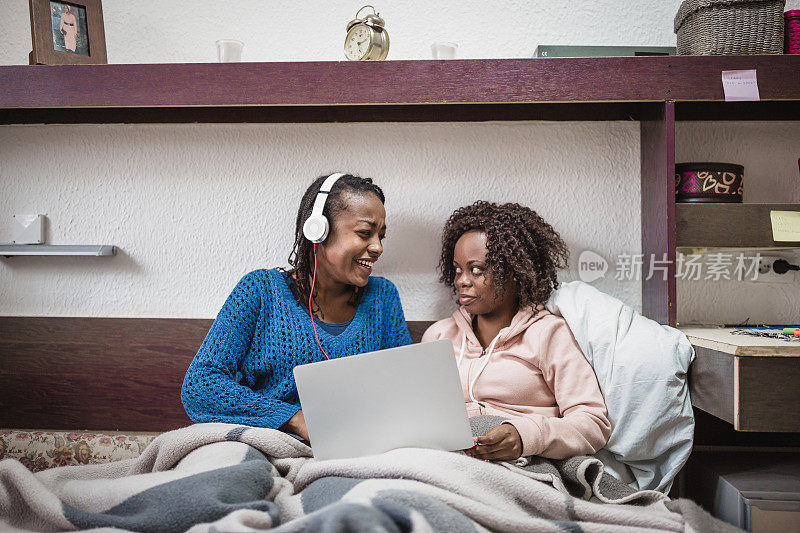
[767, 275]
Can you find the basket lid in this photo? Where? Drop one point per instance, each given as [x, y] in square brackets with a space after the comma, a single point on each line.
[691, 6]
[792, 13]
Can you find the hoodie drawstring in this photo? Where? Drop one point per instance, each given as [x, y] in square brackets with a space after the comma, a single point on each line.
[480, 370]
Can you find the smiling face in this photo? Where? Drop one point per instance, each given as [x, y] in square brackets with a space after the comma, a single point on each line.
[354, 244]
[475, 285]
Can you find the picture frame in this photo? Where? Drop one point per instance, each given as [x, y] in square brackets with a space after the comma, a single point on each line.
[67, 33]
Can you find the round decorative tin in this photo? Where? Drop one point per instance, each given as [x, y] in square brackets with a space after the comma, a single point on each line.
[708, 182]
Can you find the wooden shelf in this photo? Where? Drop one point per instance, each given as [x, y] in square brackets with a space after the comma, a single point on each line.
[656, 91]
[750, 382]
[742, 388]
[619, 88]
[712, 225]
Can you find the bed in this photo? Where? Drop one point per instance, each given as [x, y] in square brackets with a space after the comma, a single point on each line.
[101, 396]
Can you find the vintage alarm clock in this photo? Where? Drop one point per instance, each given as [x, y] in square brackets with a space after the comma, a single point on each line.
[367, 39]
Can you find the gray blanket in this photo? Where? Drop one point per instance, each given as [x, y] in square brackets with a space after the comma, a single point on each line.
[222, 477]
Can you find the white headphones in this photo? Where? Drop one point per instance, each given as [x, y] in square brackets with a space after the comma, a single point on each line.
[316, 226]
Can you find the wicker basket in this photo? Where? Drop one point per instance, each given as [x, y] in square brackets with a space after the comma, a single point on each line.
[792, 32]
[717, 27]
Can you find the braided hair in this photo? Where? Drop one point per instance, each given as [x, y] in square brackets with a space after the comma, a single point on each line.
[520, 245]
[301, 259]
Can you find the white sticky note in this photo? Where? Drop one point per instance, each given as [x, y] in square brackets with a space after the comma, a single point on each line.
[740, 85]
[785, 226]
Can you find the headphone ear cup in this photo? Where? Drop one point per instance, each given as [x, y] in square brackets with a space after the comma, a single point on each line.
[315, 228]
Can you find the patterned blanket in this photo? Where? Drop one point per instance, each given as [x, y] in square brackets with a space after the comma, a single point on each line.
[222, 477]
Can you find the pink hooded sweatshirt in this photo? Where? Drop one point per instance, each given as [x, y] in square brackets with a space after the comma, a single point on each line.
[535, 375]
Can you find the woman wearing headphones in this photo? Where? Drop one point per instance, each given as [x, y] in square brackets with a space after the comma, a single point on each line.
[326, 306]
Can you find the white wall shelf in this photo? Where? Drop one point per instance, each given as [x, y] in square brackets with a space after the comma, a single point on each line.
[8, 250]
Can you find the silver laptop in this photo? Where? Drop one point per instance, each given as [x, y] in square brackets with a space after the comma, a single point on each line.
[374, 402]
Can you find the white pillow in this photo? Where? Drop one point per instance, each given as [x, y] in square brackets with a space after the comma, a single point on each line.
[641, 367]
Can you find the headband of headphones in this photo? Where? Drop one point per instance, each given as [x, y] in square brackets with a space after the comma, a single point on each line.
[322, 195]
[316, 227]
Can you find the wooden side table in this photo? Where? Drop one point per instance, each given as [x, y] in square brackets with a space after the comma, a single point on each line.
[750, 382]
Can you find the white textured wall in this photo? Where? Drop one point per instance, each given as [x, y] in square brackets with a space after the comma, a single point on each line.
[194, 207]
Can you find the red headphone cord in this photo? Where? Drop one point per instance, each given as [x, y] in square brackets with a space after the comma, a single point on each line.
[310, 296]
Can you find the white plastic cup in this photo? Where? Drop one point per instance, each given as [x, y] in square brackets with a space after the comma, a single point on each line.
[229, 50]
[444, 50]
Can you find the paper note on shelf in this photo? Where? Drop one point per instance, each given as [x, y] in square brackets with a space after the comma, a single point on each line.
[740, 85]
[785, 226]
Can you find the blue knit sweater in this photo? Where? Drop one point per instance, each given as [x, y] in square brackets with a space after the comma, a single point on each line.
[242, 373]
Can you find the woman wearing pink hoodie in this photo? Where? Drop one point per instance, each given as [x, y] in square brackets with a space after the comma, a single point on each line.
[516, 360]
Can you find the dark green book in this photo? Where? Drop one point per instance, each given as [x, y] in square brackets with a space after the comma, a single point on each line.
[548, 50]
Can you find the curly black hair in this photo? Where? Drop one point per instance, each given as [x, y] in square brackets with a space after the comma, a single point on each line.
[301, 258]
[520, 245]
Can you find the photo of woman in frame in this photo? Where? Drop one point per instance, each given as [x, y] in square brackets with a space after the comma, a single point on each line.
[69, 28]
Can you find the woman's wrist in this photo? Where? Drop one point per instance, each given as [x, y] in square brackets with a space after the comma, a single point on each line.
[288, 425]
[292, 424]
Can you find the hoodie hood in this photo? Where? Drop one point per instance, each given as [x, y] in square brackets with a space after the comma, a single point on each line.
[521, 321]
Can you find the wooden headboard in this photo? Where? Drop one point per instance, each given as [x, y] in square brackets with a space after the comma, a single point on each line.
[113, 374]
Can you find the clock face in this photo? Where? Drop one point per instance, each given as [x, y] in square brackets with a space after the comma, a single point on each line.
[357, 42]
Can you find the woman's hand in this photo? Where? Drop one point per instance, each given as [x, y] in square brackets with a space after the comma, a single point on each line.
[501, 443]
[297, 424]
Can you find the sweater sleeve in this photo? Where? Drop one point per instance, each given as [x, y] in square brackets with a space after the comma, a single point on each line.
[210, 392]
[583, 427]
[397, 331]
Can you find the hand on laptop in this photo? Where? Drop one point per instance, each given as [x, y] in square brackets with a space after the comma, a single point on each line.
[501, 443]
[297, 425]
